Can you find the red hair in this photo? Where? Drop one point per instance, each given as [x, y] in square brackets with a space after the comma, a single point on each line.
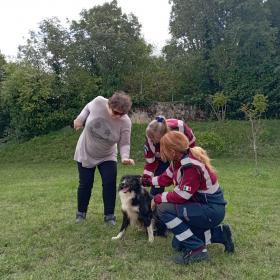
[178, 142]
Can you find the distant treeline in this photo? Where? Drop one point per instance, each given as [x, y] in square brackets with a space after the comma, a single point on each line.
[217, 46]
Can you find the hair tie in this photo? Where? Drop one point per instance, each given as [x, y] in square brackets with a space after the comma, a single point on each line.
[159, 119]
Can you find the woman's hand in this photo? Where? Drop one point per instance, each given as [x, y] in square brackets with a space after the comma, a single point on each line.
[78, 124]
[146, 181]
[128, 161]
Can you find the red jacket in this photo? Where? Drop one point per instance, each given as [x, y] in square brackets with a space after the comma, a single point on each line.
[152, 152]
[189, 176]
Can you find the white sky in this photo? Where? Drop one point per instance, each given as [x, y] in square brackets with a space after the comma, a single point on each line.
[18, 17]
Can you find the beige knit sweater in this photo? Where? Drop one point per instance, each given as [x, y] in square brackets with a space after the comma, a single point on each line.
[102, 134]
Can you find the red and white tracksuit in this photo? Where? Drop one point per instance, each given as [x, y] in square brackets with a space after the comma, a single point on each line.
[195, 207]
[190, 178]
[152, 151]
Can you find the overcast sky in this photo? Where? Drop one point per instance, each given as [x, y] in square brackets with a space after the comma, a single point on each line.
[18, 17]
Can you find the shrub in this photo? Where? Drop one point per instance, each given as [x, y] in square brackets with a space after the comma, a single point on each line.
[211, 142]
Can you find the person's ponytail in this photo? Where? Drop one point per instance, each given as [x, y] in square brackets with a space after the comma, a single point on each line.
[158, 126]
[202, 156]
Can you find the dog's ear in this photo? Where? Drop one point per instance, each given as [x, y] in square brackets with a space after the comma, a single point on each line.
[137, 180]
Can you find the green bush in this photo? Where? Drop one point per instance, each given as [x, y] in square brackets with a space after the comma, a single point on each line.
[211, 142]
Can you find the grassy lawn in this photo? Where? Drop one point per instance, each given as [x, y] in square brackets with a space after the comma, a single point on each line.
[39, 239]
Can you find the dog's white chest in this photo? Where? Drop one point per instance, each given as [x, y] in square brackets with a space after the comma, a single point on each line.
[132, 211]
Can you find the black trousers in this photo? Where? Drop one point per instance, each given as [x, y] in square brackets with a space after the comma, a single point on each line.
[108, 172]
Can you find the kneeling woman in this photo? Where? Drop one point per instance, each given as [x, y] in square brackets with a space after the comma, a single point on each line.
[196, 206]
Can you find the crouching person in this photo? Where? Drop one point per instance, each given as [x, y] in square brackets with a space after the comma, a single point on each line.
[195, 208]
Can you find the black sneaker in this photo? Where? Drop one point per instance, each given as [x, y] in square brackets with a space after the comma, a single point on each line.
[80, 217]
[110, 220]
[193, 256]
[228, 242]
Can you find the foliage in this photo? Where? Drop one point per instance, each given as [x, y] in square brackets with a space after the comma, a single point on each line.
[211, 142]
[96, 55]
[254, 114]
[218, 103]
[4, 114]
[226, 46]
[227, 49]
[107, 43]
[32, 103]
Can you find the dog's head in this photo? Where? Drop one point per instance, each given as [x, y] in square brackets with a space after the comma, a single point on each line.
[130, 183]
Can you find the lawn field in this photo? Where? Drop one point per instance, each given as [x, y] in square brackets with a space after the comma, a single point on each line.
[39, 239]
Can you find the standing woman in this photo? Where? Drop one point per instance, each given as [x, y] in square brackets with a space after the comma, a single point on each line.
[106, 126]
[155, 130]
[196, 206]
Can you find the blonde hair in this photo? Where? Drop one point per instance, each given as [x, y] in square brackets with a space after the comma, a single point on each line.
[157, 126]
[177, 141]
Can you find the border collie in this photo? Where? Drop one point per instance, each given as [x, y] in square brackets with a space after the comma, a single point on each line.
[136, 206]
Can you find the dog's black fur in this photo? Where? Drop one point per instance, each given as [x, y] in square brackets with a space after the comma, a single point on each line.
[136, 207]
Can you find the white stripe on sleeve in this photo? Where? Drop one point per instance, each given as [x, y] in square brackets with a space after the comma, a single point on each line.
[164, 197]
[181, 126]
[169, 172]
[205, 172]
[155, 181]
[193, 140]
[150, 160]
[148, 172]
[183, 194]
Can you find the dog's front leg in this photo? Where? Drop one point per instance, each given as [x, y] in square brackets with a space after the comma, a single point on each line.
[150, 230]
[125, 224]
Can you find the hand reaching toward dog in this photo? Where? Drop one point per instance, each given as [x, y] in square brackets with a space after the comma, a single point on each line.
[78, 124]
[146, 181]
[128, 161]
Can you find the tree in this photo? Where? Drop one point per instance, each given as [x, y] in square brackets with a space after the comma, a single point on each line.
[27, 94]
[4, 116]
[254, 112]
[225, 45]
[50, 50]
[47, 49]
[107, 43]
[218, 103]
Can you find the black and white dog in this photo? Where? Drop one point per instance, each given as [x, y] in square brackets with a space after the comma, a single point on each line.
[136, 206]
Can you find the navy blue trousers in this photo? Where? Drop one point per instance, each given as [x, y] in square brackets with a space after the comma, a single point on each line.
[108, 172]
[193, 224]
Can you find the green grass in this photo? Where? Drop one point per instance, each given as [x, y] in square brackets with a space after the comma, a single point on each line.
[233, 136]
[39, 240]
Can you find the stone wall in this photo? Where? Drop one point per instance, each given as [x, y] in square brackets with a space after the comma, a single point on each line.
[175, 110]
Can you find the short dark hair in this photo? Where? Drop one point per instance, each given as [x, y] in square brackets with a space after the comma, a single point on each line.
[120, 101]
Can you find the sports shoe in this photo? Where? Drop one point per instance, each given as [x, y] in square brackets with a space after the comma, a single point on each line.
[193, 256]
[110, 220]
[80, 217]
[228, 242]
